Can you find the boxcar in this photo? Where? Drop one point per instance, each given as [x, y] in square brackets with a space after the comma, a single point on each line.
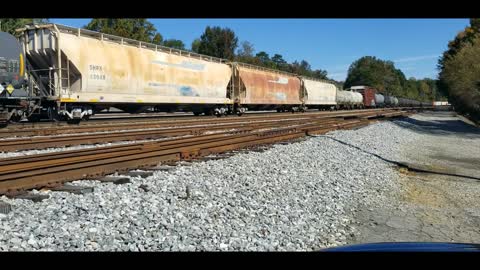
[368, 94]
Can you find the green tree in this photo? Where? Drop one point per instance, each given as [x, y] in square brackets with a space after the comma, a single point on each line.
[264, 59]
[138, 29]
[11, 24]
[218, 42]
[455, 78]
[461, 77]
[157, 39]
[377, 73]
[174, 43]
[322, 74]
[196, 45]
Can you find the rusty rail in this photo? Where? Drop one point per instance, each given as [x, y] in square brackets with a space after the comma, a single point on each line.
[36, 171]
[60, 141]
[57, 128]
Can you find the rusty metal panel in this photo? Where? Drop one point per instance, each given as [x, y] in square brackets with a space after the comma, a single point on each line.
[114, 72]
[268, 87]
[319, 93]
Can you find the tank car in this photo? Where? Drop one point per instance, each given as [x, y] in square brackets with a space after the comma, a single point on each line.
[349, 100]
[391, 101]
[380, 100]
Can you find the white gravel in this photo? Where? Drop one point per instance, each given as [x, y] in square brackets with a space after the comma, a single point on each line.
[291, 197]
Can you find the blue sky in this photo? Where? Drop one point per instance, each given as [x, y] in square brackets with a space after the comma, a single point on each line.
[330, 44]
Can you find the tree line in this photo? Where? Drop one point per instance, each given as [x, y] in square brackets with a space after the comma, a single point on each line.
[459, 70]
[387, 79]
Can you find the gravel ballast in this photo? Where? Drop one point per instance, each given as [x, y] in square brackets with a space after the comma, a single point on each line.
[299, 196]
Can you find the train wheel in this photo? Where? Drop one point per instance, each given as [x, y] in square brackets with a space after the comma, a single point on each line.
[15, 118]
[34, 118]
[74, 121]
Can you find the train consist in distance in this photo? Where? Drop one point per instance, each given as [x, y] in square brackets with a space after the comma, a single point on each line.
[58, 72]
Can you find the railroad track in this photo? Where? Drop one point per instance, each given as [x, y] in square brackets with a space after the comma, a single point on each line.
[52, 128]
[46, 170]
[179, 130]
[71, 129]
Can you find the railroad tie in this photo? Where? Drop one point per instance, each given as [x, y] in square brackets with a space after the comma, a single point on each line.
[141, 174]
[162, 168]
[73, 189]
[115, 180]
[32, 197]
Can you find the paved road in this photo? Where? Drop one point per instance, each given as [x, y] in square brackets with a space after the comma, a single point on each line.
[431, 207]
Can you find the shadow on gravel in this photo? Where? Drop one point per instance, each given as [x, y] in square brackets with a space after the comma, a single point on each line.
[439, 127]
[411, 167]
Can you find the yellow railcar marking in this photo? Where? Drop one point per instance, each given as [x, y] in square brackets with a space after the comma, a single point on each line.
[10, 89]
[67, 100]
[139, 101]
[93, 100]
[22, 68]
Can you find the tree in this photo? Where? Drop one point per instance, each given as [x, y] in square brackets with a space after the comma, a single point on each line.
[264, 59]
[218, 42]
[377, 73]
[138, 29]
[458, 77]
[11, 24]
[322, 74]
[174, 43]
[246, 49]
[196, 45]
[461, 77]
[157, 39]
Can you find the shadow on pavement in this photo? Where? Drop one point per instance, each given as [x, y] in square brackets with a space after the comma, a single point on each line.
[449, 126]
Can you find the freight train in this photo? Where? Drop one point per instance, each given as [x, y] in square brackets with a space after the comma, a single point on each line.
[58, 72]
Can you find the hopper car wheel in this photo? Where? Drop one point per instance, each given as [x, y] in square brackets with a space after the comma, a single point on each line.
[196, 113]
[34, 118]
[15, 118]
[74, 121]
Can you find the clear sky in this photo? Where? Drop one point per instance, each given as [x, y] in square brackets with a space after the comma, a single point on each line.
[330, 44]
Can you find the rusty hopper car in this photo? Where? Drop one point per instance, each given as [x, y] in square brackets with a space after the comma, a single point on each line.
[86, 71]
[368, 94]
[263, 89]
[319, 94]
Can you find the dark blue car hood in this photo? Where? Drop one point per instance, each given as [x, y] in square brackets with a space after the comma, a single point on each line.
[409, 246]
